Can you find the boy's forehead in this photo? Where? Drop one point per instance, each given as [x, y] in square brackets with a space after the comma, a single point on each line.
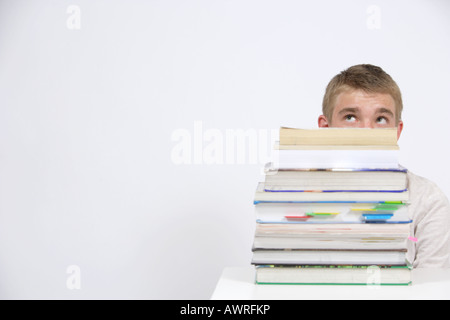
[360, 98]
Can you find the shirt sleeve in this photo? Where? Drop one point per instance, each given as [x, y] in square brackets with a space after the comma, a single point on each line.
[432, 229]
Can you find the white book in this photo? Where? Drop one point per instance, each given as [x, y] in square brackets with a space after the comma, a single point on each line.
[392, 180]
[343, 243]
[366, 230]
[313, 236]
[326, 257]
[263, 196]
[367, 275]
[304, 157]
[331, 212]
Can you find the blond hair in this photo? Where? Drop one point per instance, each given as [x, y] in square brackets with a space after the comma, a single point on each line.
[366, 77]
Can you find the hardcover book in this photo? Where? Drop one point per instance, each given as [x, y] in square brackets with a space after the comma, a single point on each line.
[331, 274]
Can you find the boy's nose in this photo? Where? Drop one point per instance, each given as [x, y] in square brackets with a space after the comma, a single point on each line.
[367, 124]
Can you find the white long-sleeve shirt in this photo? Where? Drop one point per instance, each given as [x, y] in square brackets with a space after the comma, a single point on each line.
[430, 211]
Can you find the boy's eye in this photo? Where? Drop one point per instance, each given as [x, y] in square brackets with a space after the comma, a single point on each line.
[381, 120]
[350, 118]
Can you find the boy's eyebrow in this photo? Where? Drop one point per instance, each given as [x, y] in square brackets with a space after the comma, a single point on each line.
[348, 110]
[385, 110]
[356, 110]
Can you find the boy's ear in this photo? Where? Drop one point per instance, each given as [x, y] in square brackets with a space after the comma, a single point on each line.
[399, 129]
[323, 122]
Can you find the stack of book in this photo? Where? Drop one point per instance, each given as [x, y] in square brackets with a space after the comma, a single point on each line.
[333, 209]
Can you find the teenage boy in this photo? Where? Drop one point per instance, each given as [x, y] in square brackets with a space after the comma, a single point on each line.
[364, 96]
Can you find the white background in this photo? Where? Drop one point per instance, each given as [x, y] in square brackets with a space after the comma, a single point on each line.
[87, 115]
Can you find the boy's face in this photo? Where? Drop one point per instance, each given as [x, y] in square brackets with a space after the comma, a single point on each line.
[358, 109]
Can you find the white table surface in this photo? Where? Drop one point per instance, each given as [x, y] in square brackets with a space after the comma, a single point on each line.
[237, 283]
